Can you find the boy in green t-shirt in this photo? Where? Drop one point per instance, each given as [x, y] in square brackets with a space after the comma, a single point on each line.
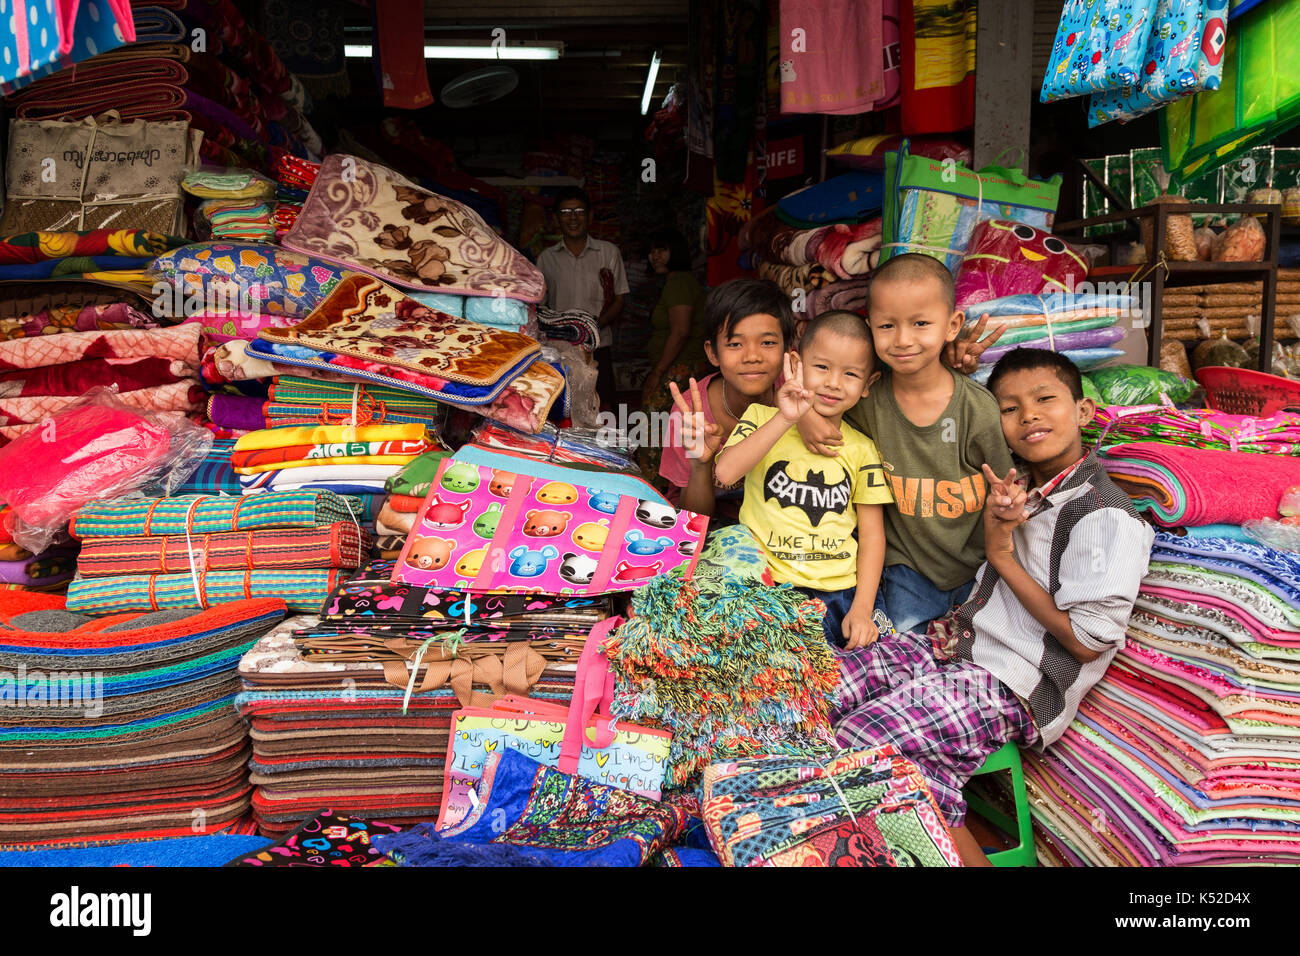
[935, 430]
[803, 508]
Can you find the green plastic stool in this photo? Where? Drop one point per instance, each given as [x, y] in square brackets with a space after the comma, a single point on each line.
[1008, 758]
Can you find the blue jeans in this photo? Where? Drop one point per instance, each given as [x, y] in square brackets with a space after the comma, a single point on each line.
[912, 602]
[837, 605]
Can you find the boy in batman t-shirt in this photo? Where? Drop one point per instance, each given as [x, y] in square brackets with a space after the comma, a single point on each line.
[804, 508]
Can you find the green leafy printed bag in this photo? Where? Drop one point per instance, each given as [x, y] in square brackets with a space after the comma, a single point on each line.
[932, 206]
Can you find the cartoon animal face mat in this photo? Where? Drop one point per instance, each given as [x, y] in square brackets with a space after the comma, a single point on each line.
[486, 529]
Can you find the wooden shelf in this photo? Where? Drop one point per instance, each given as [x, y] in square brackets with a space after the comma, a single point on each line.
[1164, 271]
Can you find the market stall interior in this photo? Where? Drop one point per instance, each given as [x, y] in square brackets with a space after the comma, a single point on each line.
[436, 434]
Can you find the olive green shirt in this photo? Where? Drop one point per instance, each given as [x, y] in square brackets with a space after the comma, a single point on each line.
[936, 524]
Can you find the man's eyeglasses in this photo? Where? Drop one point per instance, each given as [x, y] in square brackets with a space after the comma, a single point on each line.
[579, 211]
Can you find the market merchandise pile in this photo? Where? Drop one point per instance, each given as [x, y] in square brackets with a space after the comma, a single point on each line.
[124, 727]
[353, 709]
[1188, 750]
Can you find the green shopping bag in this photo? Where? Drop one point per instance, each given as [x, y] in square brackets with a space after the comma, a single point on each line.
[933, 206]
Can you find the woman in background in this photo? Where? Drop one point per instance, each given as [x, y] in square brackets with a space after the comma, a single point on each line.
[677, 339]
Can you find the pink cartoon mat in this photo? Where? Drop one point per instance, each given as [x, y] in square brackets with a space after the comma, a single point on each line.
[484, 529]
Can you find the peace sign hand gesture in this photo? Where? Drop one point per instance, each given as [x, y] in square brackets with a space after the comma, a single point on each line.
[700, 438]
[793, 401]
[1006, 499]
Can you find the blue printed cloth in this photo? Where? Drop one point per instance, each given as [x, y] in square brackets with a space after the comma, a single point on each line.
[1184, 55]
[1098, 47]
[555, 818]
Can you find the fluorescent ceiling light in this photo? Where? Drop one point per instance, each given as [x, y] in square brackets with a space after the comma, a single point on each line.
[650, 83]
[471, 51]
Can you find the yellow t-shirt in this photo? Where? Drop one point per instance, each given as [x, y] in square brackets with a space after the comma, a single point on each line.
[801, 506]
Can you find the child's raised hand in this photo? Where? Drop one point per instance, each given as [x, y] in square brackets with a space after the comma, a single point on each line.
[700, 438]
[963, 353]
[1005, 501]
[793, 401]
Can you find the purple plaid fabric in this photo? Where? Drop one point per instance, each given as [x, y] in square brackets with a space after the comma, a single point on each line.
[946, 717]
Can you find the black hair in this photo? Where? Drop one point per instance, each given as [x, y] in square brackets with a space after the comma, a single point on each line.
[839, 322]
[572, 192]
[917, 267]
[1025, 360]
[679, 254]
[732, 301]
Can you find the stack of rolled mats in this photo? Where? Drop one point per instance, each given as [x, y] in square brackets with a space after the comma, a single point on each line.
[353, 710]
[1187, 752]
[123, 729]
[154, 370]
[191, 551]
[1188, 311]
[1084, 327]
[357, 461]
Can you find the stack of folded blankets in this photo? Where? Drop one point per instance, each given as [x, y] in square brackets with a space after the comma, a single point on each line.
[236, 204]
[353, 710]
[234, 89]
[154, 370]
[574, 326]
[747, 670]
[370, 331]
[407, 491]
[125, 731]
[296, 177]
[1176, 485]
[1188, 311]
[111, 256]
[831, 263]
[148, 554]
[1277, 434]
[1187, 752]
[355, 461]
[1083, 327]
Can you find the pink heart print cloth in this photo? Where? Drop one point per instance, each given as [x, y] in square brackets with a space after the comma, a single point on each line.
[484, 529]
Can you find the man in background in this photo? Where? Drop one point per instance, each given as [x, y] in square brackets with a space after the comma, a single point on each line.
[586, 273]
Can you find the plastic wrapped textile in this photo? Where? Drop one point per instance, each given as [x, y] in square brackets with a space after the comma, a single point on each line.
[1258, 97]
[925, 211]
[1010, 258]
[1140, 385]
[96, 448]
[1184, 55]
[1097, 49]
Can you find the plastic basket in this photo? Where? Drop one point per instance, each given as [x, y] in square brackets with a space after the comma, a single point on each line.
[1243, 391]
